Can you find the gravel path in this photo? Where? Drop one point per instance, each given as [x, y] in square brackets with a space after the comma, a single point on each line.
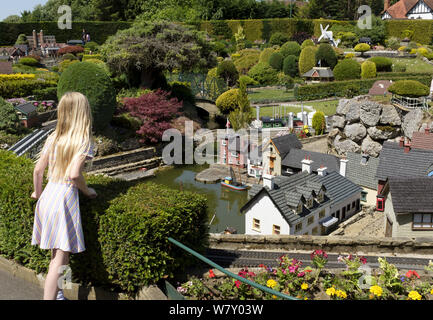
[369, 226]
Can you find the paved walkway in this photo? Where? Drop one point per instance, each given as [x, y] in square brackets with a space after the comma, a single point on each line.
[12, 288]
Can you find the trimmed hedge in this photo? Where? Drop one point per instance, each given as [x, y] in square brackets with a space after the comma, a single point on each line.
[307, 59]
[264, 74]
[228, 101]
[383, 64]
[342, 88]
[290, 48]
[23, 88]
[290, 66]
[125, 229]
[368, 70]
[276, 61]
[326, 55]
[409, 88]
[99, 30]
[347, 69]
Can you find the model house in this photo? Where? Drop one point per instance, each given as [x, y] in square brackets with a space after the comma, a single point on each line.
[361, 169]
[408, 207]
[291, 164]
[319, 74]
[302, 204]
[255, 162]
[408, 9]
[233, 150]
[276, 151]
[423, 140]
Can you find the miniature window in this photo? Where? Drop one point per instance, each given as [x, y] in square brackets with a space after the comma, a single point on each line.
[310, 202]
[422, 221]
[256, 224]
[364, 196]
[298, 227]
[276, 230]
[315, 231]
[322, 214]
[299, 210]
[320, 197]
[310, 220]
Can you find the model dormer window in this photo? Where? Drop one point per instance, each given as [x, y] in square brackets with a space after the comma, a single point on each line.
[321, 196]
[310, 202]
[299, 208]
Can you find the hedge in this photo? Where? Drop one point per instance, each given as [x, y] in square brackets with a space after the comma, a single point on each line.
[368, 70]
[23, 88]
[423, 29]
[99, 30]
[347, 69]
[409, 88]
[125, 229]
[341, 88]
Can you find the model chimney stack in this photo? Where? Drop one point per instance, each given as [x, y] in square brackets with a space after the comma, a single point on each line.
[407, 147]
[343, 166]
[269, 181]
[306, 165]
[402, 142]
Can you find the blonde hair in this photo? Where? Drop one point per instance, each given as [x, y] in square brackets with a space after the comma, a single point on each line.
[72, 137]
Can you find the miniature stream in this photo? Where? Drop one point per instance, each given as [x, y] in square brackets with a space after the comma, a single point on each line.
[223, 204]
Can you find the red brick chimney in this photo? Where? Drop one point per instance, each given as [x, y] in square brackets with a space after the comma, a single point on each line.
[41, 38]
[427, 130]
[35, 39]
[402, 141]
[386, 5]
[407, 147]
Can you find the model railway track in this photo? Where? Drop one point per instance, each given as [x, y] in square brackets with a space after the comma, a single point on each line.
[239, 259]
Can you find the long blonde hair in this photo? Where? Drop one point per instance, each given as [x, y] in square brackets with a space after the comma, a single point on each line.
[72, 137]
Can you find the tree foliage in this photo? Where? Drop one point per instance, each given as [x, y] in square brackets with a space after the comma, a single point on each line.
[9, 120]
[241, 117]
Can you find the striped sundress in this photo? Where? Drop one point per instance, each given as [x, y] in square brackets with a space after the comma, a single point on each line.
[57, 223]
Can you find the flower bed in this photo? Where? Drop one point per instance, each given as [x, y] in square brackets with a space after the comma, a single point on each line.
[313, 282]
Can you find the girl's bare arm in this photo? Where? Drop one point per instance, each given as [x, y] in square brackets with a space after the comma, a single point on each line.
[78, 178]
[38, 175]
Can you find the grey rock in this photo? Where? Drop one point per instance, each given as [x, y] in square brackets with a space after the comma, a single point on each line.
[412, 122]
[338, 122]
[371, 147]
[390, 116]
[355, 132]
[377, 134]
[333, 133]
[353, 114]
[370, 113]
[343, 146]
[343, 107]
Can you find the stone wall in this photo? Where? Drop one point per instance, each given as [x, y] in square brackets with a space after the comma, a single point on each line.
[123, 158]
[336, 244]
[363, 125]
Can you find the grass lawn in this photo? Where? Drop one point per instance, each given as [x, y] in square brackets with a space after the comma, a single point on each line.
[327, 107]
[271, 95]
[414, 65]
[268, 111]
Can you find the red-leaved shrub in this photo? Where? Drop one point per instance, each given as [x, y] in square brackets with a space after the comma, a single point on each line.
[71, 49]
[156, 110]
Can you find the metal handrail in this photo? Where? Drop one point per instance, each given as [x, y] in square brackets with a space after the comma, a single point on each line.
[231, 274]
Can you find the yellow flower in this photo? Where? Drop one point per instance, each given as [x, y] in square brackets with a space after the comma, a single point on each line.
[304, 286]
[306, 298]
[431, 292]
[274, 297]
[341, 294]
[376, 290]
[330, 291]
[271, 283]
[414, 295]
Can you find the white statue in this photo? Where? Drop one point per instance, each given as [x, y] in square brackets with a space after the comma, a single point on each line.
[328, 35]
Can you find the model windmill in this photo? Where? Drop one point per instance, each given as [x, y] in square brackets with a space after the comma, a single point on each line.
[328, 35]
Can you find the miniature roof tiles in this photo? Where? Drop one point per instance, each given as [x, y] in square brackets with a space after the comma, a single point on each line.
[412, 195]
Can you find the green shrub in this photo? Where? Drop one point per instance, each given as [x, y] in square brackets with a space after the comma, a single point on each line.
[227, 70]
[66, 64]
[126, 121]
[278, 39]
[92, 81]
[248, 81]
[68, 56]
[290, 66]
[409, 88]
[362, 47]
[31, 62]
[92, 46]
[264, 74]
[214, 85]
[307, 43]
[347, 69]
[92, 56]
[46, 94]
[326, 55]
[9, 120]
[383, 64]
[182, 91]
[246, 60]
[228, 101]
[290, 48]
[368, 70]
[319, 122]
[286, 81]
[134, 234]
[276, 61]
[393, 43]
[23, 88]
[266, 54]
[348, 39]
[307, 60]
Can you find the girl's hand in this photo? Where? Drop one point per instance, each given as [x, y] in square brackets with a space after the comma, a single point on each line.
[92, 193]
[35, 196]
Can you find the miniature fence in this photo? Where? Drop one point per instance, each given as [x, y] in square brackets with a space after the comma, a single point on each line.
[410, 103]
[230, 274]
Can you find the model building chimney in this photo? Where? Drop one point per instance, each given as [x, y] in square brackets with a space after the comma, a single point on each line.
[407, 147]
[322, 171]
[306, 165]
[343, 166]
[269, 181]
[41, 38]
[402, 141]
[35, 39]
[427, 130]
[386, 5]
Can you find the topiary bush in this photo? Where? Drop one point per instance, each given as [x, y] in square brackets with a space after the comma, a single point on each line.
[278, 39]
[290, 48]
[290, 66]
[286, 81]
[9, 120]
[307, 43]
[393, 43]
[266, 54]
[326, 55]
[307, 59]
[368, 70]
[264, 74]
[319, 123]
[66, 64]
[276, 61]
[383, 64]
[92, 81]
[227, 70]
[347, 69]
[68, 56]
[31, 62]
[409, 88]
[248, 81]
[246, 59]
[228, 101]
[362, 47]
[182, 91]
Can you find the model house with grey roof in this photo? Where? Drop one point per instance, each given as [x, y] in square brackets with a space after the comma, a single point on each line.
[301, 204]
[361, 169]
[408, 207]
[292, 162]
[276, 151]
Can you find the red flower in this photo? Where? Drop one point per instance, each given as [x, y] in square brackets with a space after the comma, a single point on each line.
[363, 260]
[211, 274]
[412, 273]
[237, 284]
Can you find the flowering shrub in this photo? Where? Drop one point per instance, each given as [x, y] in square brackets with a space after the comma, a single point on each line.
[16, 76]
[313, 282]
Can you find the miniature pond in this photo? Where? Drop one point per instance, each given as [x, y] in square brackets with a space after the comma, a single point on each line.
[223, 204]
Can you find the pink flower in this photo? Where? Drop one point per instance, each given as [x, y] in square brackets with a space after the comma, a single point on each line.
[301, 274]
[237, 284]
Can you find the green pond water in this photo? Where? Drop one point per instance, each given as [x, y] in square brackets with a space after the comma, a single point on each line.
[223, 204]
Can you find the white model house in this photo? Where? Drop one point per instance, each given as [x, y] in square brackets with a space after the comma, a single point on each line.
[301, 204]
[408, 9]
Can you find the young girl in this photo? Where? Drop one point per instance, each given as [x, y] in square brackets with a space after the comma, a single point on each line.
[57, 224]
